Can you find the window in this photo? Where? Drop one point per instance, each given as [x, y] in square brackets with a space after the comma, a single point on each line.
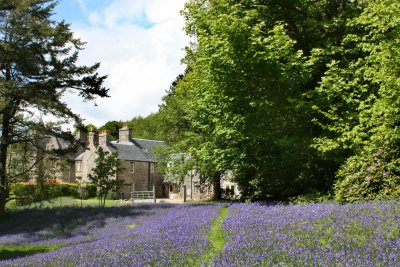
[152, 167]
[132, 167]
[79, 166]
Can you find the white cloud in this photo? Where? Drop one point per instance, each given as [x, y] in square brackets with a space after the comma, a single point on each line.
[141, 62]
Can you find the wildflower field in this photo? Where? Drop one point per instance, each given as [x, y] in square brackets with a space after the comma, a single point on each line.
[235, 234]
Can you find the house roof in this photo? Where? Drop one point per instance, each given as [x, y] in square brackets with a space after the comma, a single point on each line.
[80, 157]
[62, 143]
[137, 149]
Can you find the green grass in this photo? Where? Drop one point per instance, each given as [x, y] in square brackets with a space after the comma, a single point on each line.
[216, 237]
[15, 251]
[65, 202]
[132, 226]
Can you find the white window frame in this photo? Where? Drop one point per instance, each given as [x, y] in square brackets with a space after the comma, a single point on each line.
[152, 167]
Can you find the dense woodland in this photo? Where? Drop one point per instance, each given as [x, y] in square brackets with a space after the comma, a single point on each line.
[295, 97]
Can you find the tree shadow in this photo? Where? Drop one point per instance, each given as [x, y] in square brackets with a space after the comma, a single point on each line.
[62, 222]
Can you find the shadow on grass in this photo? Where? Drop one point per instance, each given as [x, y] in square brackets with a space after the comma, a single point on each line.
[16, 251]
[65, 222]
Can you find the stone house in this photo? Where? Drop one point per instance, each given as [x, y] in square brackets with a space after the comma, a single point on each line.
[139, 166]
[61, 168]
[199, 188]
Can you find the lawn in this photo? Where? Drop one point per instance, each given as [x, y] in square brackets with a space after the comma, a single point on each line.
[214, 234]
[66, 202]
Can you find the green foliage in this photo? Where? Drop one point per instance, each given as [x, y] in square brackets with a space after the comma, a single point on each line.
[90, 190]
[367, 177]
[316, 197]
[358, 105]
[25, 193]
[146, 127]
[103, 175]
[112, 128]
[142, 127]
[294, 97]
[30, 193]
[240, 105]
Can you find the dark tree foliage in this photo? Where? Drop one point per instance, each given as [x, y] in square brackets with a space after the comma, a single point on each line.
[38, 61]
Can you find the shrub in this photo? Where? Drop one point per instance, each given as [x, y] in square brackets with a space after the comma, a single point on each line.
[24, 193]
[68, 189]
[367, 177]
[315, 197]
[27, 193]
[91, 190]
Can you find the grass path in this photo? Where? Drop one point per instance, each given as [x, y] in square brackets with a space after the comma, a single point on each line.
[216, 238]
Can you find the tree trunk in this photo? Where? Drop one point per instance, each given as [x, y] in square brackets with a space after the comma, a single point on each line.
[3, 162]
[217, 186]
[8, 112]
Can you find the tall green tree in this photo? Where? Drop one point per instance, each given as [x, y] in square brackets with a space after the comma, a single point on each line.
[243, 103]
[104, 174]
[358, 102]
[38, 59]
[242, 96]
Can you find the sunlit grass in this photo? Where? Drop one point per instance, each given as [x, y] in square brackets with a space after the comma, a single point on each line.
[15, 251]
[216, 237]
[65, 202]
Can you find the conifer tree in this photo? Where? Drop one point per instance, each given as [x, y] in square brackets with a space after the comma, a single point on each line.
[38, 61]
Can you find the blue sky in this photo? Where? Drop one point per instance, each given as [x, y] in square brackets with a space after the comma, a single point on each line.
[78, 11]
[139, 44]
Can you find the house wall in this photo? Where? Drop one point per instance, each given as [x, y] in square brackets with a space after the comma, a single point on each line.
[87, 163]
[142, 179]
[197, 188]
[62, 170]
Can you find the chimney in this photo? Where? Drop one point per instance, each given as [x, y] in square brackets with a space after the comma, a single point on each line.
[103, 138]
[93, 137]
[82, 136]
[124, 134]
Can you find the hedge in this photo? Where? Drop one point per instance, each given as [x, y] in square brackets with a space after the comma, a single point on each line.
[29, 193]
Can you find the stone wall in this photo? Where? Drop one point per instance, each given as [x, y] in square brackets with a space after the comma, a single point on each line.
[142, 179]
